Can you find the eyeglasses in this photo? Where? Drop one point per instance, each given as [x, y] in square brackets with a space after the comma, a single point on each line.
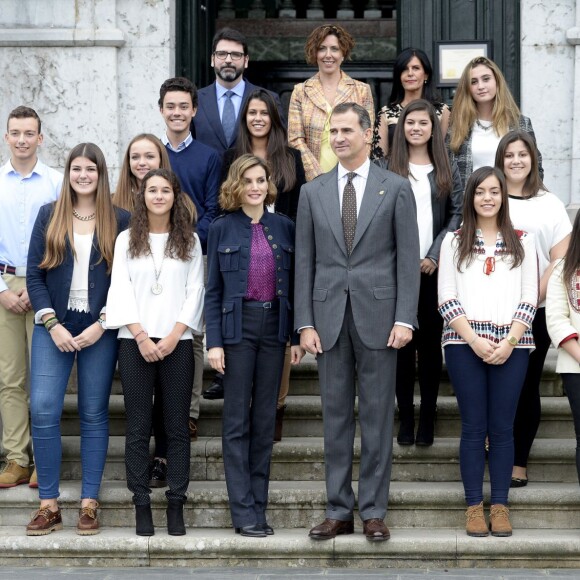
[223, 54]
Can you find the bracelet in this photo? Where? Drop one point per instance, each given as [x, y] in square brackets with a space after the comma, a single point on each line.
[48, 320]
[140, 332]
[49, 325]
[142, 341]
[473, 340]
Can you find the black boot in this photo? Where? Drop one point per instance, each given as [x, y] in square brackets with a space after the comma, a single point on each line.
[279, 423]
[426, 429]
[175, 524]
[406, 434]
[144, 520]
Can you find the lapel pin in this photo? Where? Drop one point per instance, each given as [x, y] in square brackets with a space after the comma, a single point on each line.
[382, 192]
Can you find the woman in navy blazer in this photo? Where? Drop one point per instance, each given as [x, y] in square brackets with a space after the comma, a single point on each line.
[248, 323]
[68, 276]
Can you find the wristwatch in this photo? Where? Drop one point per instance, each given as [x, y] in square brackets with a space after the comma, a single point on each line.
[512, 340]
[102, 322]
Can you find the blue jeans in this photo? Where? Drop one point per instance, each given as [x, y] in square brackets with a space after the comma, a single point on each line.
[487, 396]
[50, 372]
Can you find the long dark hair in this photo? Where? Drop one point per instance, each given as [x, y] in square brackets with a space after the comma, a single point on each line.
[399, 151]
[403, 58]
[467, 238]
[280, 159]
[533, 183]
[572, 257]
[181, 240]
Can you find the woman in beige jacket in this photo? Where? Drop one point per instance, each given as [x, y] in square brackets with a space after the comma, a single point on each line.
[313, 100]
[563, 321]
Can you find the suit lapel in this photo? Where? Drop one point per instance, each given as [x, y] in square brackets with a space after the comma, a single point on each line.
[211, 110]
[374, 194]
[328, 197]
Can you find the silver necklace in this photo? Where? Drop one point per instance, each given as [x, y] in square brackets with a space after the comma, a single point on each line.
[83, 218]
[157, 288]
[483, 127]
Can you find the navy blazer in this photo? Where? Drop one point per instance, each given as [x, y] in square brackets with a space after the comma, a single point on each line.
[228, 257]
[51, 288]
[206, 126]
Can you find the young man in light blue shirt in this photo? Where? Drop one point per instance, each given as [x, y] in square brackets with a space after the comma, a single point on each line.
[25, 185]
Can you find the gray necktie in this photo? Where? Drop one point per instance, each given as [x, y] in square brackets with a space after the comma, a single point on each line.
[229, 117]
[349, 211]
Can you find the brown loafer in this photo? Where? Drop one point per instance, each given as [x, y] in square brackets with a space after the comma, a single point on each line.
[375, 530]
[43, 522]
[88, 523]
[329, 529]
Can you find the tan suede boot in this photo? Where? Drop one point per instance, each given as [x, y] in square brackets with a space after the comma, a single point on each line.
[499, 521]
[476, 525]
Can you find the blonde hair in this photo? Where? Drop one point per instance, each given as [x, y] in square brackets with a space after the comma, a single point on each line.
[127, 186]
[234, 187]
[60, 227]
[505, 114]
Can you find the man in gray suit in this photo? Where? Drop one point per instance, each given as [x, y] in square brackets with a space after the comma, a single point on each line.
[357, 288]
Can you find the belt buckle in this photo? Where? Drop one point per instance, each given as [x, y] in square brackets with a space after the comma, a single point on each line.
[267, 305]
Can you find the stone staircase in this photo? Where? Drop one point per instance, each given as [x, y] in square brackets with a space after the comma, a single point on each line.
[426, 506]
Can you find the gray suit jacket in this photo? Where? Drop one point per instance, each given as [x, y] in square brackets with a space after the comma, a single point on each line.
[382, 273]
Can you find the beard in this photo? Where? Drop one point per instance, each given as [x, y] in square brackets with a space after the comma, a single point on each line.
[229, 74]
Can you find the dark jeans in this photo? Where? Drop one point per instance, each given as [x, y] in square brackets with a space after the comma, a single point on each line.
[487, 396]
[138, 377]
[253, 369]
[425, 348]
[529, 409]
[572, 385]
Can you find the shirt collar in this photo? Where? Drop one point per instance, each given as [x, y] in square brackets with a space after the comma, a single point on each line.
[363, 170]
[39, 168]
[183, 145]
[237, 90]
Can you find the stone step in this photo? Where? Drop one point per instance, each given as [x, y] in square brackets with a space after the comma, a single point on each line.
[303, 417]
[302, 459]
[442, 549]
[304, 379]
[301, 504]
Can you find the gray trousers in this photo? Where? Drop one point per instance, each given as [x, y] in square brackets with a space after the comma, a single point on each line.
[376, 380]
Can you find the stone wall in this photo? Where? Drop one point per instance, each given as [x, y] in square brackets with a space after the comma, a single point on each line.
[91, 69]
[550, 90]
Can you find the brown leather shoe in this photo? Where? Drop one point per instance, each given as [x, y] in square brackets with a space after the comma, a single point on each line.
[375, 530]
[43, 522]
[88, 523]
[329, 529]
[499, 521]
[192, 424]
[475, 521]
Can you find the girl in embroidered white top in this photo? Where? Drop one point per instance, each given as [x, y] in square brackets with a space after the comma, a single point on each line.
[488, 290]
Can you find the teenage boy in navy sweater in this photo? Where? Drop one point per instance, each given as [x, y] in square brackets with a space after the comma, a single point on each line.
[198, 168]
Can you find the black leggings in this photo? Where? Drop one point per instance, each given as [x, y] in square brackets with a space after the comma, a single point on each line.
[529, 410]
[572, 385]
[138, 377]
[425, 348]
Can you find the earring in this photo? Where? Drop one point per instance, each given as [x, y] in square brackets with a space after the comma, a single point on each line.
[425, 82]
